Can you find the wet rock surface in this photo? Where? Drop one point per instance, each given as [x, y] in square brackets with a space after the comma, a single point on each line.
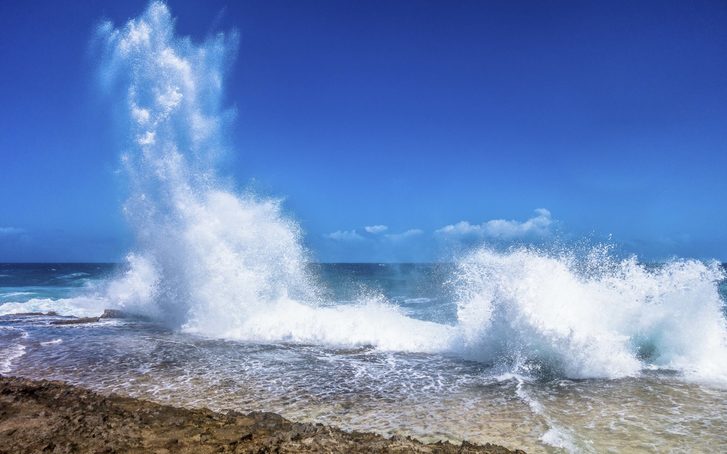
[75, 321]
[54, 417]
[33, 314]
[114, 313]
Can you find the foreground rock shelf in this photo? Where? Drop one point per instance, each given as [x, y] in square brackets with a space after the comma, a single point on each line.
[45, 416]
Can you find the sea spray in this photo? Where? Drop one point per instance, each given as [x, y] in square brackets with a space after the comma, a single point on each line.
[205, 257]
[208, 260]
[592, 315]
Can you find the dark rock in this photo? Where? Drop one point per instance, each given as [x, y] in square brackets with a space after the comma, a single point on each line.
[75, 321]
[114, 313]
[34, 314]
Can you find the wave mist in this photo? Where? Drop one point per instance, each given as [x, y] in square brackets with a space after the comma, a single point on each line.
[199, 247]
[591, 315]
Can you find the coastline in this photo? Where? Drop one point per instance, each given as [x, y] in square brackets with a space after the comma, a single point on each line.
[52, 416]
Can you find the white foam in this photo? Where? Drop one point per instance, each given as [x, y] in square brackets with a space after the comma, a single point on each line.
[593, 317]
[8, 355]
[556, 435]
[370, 323]
[557, 438]
[12, 349]
[81, 306]
[51, 342]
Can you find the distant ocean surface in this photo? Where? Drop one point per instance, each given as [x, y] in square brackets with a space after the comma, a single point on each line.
[391, 362]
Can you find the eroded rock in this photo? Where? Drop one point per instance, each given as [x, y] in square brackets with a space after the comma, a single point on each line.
[38, 416]
[75, 321]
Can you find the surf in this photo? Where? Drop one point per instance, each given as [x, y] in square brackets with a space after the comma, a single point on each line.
[219, 263]
[592, 315]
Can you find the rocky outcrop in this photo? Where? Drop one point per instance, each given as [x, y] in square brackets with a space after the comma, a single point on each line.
[54, 417]
[107, 314]
[75, 321]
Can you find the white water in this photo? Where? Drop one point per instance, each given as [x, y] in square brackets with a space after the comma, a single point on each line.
[80, 306]
[220, 264]
[11, 347]
[592, 317]
[206, 257]
[210, 261]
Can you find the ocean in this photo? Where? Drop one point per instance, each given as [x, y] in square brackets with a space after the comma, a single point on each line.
[417, 373]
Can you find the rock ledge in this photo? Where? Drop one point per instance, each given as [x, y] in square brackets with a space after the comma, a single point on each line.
[54, 417]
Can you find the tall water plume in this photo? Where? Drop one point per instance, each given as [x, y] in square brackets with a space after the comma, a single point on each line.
[204, 256]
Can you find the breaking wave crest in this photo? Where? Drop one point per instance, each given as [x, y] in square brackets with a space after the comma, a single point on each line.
[593, 316]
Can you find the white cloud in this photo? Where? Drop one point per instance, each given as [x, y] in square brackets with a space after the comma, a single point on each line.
[353, 235]
[538, 225]
[404, 235]
[344, 235]
[376, 228]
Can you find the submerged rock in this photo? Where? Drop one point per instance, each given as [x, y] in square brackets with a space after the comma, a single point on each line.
[119, 314]
[75, 321]
[34, 314]
[40, 416]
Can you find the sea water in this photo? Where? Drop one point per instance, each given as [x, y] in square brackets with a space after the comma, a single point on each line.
[553, 348]
[516, 399]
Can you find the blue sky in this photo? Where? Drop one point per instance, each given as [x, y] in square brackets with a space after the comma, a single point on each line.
[434, 124]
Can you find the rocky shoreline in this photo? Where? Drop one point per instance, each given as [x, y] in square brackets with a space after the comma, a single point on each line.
[55, 417]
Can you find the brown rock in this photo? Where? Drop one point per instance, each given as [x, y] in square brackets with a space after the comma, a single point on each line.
[43, 416]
